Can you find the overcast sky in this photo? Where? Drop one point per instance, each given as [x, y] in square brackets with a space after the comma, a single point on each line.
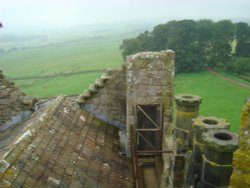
[37, 14]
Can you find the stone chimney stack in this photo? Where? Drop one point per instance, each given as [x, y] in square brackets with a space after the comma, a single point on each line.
[149, 80]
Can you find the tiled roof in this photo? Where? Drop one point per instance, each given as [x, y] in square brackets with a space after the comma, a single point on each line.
[63, 146]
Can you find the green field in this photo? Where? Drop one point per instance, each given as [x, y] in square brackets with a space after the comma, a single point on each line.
[83, 49]
[61, 58]
[66, 85]
[220, 98]
[69, 53]
[57, 60]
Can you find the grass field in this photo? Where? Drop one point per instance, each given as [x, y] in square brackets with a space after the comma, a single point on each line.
[220, 98]
[59, 59]
[87, 48]
[62, 85]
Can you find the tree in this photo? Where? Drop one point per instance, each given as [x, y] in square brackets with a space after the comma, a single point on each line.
[243, 39]
[145, 40]
[198, 44]
[130, 46]
[223, 35]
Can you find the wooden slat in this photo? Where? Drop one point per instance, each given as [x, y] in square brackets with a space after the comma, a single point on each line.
[149, 118]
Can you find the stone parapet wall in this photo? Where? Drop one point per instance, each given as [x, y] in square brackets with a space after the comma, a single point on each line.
[106, 98]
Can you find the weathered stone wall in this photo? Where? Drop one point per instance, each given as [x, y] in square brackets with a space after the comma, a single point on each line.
[149, 80]
[106, 98]
[241, 161]
[12, 102]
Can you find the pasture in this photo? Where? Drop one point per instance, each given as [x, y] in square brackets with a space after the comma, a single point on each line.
[51, 55]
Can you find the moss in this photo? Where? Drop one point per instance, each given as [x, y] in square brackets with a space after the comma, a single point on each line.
[241, 176]
[5, 184]
[201, 145]
[245, 116]
[220, 145]
[237, 181]
[210, 162]
[179, 142]
[242, 160]
[8, 175]
[181, 113]
[203, 124]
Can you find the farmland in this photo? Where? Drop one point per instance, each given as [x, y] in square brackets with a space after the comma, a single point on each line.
[63, 53]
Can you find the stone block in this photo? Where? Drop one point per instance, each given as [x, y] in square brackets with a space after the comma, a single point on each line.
[29, 101]
[92, 89]
[187, 100]
[170, 55]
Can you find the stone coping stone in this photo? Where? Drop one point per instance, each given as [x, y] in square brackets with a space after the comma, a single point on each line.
[152, 55]
[221, 140]
[187, 100]
[206, 123]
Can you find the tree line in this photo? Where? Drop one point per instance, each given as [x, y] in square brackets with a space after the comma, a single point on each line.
[198, 44]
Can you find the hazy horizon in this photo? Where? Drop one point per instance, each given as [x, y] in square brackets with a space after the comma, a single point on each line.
[30, 15]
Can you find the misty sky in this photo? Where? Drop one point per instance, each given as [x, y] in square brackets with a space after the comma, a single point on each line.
[39, 14]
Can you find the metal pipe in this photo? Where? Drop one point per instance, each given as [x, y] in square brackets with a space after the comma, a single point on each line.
[134, 159]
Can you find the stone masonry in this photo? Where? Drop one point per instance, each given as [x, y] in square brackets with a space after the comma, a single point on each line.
[106, 98]
[149, 78]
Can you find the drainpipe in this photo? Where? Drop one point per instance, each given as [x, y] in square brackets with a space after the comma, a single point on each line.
[219, 146]
[200, 125]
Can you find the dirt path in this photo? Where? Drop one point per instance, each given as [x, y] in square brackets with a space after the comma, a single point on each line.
[229, 79]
